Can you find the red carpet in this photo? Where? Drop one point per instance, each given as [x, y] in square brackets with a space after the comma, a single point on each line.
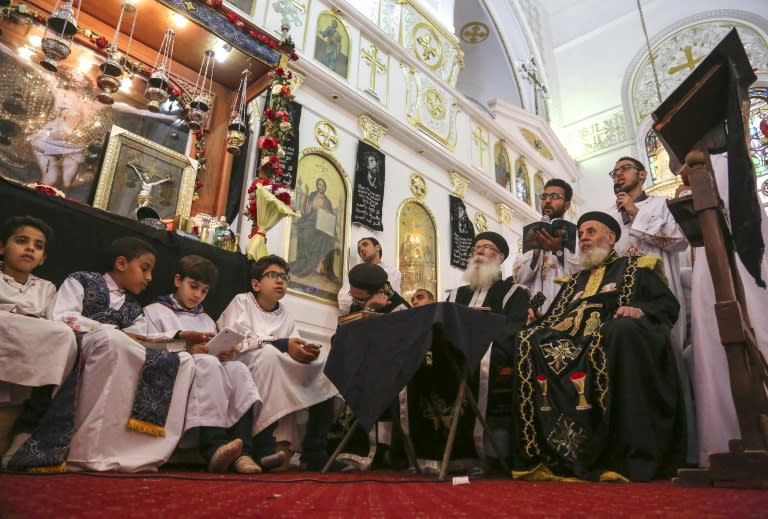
[375, 495]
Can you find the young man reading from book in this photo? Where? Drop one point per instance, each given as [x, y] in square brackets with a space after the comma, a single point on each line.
[551, 256]
[131, 400]
[287, 369]
[36, 353]
[223, 397]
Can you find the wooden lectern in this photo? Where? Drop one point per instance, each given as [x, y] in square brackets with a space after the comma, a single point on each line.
[703, 114]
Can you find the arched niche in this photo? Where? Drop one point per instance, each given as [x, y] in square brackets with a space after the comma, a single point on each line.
[538, 189]
[522, 181]
[317, 239]
[417, 248]
[502, 167]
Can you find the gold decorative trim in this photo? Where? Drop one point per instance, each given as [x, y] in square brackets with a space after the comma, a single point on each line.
[326, 135]
[504, 213]
[481, 222]
[480, 141]
[372, 132]
[537, 143]
[459, 184]
[296, 81]
[418, 186]
[413, 113]
[431, 45]
[330, 157]
[437, 238]
[474, 33]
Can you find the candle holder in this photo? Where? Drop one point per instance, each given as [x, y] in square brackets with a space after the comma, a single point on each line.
[197, 113]
[157, 85]
[112, 67]
[237, 128]
[60, 28]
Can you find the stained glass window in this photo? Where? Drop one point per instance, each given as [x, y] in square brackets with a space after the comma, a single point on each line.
[758, 139]
[663, 181]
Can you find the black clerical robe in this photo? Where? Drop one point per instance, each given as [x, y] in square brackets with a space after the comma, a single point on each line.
[432, 391]
[594, 393]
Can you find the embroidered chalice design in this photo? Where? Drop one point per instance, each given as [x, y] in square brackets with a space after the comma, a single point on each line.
[579, 381]
[542, 381]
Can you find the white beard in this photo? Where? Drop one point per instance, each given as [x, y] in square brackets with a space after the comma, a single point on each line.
[482, 272]
[594, 256]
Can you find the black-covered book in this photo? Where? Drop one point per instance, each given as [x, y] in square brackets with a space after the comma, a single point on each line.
[557, 227]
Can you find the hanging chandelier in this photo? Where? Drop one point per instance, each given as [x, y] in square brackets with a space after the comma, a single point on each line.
[112, 67]
[157, 85]
[202, 94]
[60, 28]
[237, 127]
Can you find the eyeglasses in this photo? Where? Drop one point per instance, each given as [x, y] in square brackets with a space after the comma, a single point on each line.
[621, 169]
[478, 249]
[274, 276]
[360, 301]
[551, 196]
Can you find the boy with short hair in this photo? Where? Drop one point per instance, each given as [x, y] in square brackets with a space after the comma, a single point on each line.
[422, 297]
[36, 352]
[287, 370]
[223, 396]
[131, 401]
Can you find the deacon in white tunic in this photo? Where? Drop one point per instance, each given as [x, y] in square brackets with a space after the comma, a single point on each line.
[222, 392]
[716, 413]
[110, 377]
[33, 351]
[537, 269]
[651, 230]
[285, 385]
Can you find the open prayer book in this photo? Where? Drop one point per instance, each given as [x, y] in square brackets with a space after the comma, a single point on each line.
[225, 340]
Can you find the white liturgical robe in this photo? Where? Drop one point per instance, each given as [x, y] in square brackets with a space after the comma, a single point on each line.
[716, 413]
[33, 351]
[110, 377]
[540, 276]
[222, 392]
[285, 385]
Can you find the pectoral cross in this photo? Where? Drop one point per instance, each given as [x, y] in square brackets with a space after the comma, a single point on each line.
[376, 66]
[482, 143]
[690, 61]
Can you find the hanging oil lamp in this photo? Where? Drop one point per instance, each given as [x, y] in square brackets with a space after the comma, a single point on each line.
[60, 28]
[157, 84]
[197, 113]
[112, 67]
[237, 127]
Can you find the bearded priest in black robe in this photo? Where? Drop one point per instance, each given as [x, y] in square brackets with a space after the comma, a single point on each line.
[431, 393]
[595, 378]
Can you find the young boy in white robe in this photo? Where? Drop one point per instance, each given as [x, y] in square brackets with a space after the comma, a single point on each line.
[287, 369]
[223, 397]
[36, 353]
[107, 434]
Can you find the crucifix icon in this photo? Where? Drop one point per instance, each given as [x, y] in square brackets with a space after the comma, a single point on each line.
[482, 143]
[690, 61]
[376, 66]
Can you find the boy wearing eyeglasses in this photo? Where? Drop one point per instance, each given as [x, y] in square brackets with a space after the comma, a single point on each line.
[538, 268]
[288, 370]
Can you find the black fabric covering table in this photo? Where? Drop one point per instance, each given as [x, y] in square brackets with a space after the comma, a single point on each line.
[83, 234]
[373, 359]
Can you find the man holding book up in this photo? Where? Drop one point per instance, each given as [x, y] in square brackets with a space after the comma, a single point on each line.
[548, 255]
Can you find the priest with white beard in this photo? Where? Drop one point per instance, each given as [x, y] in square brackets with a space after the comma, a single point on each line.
[486, 289]
[595, 387]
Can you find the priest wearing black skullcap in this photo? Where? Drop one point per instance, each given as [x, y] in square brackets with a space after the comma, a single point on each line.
[485, 289]
[596, 390]
[370, 290]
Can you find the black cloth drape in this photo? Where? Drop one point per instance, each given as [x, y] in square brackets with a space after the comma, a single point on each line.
[373, 359]
[462, 233]
[235, 191]
[368, 194]
[83, 234]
